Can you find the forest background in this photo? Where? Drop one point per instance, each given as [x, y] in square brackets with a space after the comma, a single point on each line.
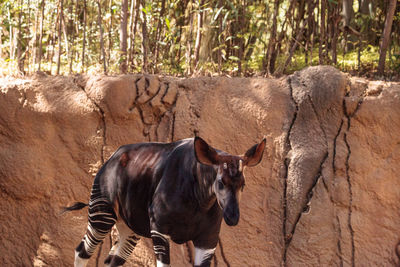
[202, 37]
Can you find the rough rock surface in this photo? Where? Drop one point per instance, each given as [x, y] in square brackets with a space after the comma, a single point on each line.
[326, 193]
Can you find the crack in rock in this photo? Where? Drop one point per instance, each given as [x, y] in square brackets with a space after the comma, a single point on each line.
[133, 106]
[153, 96]
[339, 246]
[336, 225]
[152, 114]
[350, 200]
[223, 253]
[102, 117]
[173, 127]
[165, 92]
[349, 117]
[170, 111]
[334, 147]
[104, 136]
[300, 95]
[215, 260]
[306, 207]
[286, 163]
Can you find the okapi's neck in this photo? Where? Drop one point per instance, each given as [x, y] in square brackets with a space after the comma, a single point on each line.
[204, 192]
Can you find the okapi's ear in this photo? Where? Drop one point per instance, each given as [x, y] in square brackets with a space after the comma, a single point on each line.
[254, 155]
[204, 153]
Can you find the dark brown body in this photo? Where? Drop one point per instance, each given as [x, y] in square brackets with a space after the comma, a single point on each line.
[178, 191]
[162, 186]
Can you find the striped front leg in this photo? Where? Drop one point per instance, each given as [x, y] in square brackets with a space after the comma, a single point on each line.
[203, 256]
[121, 251]
[161, 248]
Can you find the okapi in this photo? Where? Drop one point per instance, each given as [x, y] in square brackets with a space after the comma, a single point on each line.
[178, 191]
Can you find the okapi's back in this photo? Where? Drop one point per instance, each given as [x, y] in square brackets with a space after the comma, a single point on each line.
[148, 159]
[130, 177]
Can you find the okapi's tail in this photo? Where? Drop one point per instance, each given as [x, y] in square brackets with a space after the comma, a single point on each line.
[75, 206]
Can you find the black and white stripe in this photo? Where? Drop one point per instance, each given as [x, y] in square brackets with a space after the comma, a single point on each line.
[101, 218]
[203, 256]
[161, 248]
[121, 251]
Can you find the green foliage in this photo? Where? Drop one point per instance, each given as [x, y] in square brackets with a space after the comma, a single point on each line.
[236, 36]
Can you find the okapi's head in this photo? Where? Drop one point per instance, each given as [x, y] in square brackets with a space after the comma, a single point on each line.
[230, 179]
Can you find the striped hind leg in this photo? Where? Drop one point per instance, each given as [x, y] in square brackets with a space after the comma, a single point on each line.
[121, 251]
[101, 219]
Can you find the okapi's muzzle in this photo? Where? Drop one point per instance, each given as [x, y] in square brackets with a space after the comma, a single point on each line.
[232, 213]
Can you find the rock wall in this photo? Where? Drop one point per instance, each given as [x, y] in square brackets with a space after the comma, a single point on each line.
[326, 193]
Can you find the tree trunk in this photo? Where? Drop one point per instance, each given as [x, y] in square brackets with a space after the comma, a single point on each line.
[219, 43]
[310, 32]
[242, 21]
[295, 43]
[1, 38]
[11, 41]
[41, 33]
[133, 32]
[335, 19]
[298, 37]
[84, 36]
[385, 40]
[144, 39]
[300, 16]
[180, 25]
[365, 7]
[158, 33]
[52, 41]
[130, 35]
[67, 50]
[71, 38]
[198, 35]
[272, 38]
[73, 22]
[123, 36]
[278, 43]
[19, 40]
[28, 27]
[250, 45]
[77, 24]
[180, 44]
[110, 42]
[59, 36]
[348, 16]
[103, 52]
[34, 46]
[189, 41]
[322, 33]
[348, 12]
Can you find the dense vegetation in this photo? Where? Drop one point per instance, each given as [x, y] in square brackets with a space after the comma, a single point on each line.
[183, 37]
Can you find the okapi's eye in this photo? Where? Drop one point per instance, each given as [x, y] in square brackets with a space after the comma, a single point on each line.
[220, 185]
